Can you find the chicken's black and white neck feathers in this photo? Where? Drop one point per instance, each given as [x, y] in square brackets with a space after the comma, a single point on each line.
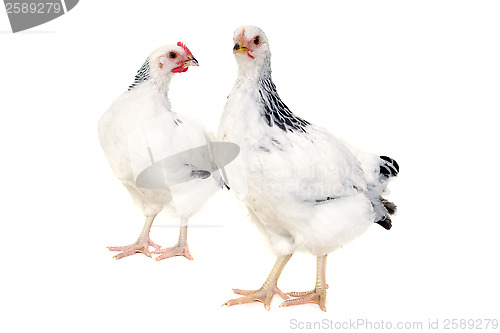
[275, 111]
[143, 74]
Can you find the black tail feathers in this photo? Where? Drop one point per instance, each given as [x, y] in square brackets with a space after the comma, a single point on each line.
[386, 221]
[384, 208]
[390, 206]
[388, 167]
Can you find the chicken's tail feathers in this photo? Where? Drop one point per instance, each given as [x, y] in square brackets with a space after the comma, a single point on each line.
[388, 167]
[388, 208]
[384, 208]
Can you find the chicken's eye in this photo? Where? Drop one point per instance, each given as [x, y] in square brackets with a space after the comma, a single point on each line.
[256, 40]
[172, 55]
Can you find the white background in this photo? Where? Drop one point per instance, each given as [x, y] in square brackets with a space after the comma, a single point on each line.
[418, 81]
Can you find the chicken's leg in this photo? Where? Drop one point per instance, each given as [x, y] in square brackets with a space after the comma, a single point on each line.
[180, 249]
[268, 289]
[141, 245]
[318, 294]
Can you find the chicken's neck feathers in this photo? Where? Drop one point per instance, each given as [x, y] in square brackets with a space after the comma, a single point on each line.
[149, 76]
[275, 112]
[256, 79]
[251, 71]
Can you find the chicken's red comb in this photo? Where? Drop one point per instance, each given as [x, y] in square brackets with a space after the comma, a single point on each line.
[185, 48]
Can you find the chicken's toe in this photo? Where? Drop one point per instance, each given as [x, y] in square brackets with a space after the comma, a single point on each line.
[176, 250]
[263, 295]
[314, 296]
[137, 247]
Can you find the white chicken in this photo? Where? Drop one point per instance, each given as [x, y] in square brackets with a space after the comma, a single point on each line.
[138, 130]
[304, 188]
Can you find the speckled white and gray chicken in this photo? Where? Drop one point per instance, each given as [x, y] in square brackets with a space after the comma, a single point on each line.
[304, 188]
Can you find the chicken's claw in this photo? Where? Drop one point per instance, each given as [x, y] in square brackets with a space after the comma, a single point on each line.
[263, 295]
[176, 250]
[137, 247]
[315, 296]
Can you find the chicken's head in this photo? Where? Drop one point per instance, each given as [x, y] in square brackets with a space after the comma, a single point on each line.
[251, 45]
[172, 59]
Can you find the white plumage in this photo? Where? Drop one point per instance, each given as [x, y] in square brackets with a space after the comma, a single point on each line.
[139, 129]
[304, 188]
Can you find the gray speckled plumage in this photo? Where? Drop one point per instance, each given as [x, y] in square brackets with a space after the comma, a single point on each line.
[143, 74]
[275, 111]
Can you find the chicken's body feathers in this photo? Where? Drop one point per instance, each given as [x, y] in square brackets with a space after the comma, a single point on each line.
[138, 130]
[304, 188]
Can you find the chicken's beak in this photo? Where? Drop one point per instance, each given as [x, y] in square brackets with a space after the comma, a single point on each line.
[191, 62]
[240, 48]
